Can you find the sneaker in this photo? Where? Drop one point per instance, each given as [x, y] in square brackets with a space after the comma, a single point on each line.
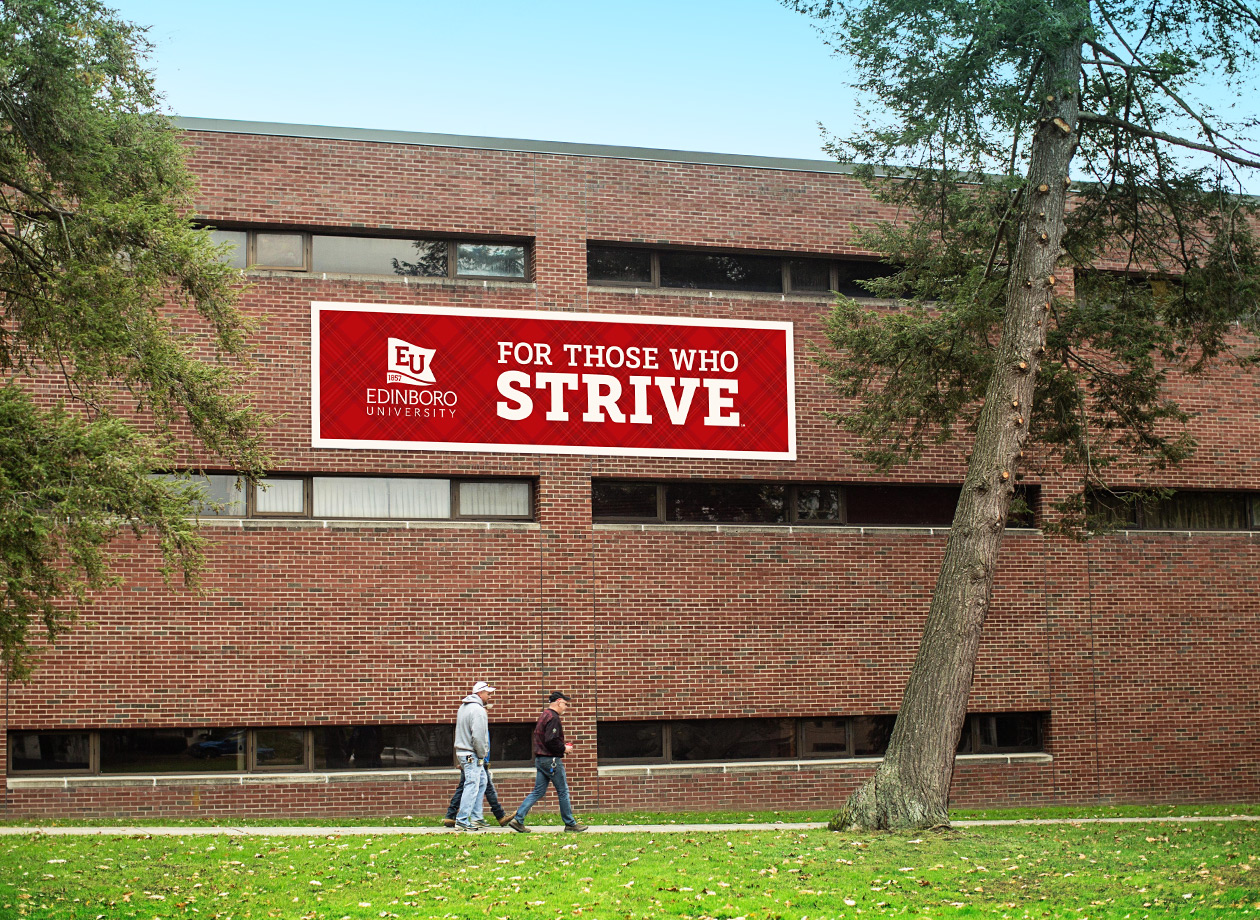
[576, 827]
[505, 820]
[448, 822]
[466, 827]
[481, 822]
[516, 825]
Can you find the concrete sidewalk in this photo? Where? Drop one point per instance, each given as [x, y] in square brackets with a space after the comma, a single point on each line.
[363, 831]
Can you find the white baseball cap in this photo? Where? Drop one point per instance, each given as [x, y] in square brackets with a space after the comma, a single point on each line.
[482, 685]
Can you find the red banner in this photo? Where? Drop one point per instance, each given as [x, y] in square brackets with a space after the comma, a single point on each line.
[436, 378]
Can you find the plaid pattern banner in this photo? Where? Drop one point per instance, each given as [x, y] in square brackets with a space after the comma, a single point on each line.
[523, 381]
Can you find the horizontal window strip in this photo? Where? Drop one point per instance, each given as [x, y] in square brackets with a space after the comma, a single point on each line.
[743, 502]
[738, 740]
[728, 270]
[199, 750]
[360, 497]
[311, 252]
[1182, 509]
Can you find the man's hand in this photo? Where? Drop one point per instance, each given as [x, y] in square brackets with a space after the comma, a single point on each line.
[568, 747]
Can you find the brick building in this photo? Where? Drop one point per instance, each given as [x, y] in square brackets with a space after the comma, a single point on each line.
[735, 629]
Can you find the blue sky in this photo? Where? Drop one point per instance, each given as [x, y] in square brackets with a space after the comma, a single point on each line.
[742, 76]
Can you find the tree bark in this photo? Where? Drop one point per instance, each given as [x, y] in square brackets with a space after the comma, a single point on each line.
[910, 789]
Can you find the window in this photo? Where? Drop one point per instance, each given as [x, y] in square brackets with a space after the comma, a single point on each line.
[300, 251]
[1004, 733]
[1181, 510]
[364, 497]
[223, 493]
[694, 501]
[173, 750]
[728, 270]
[50, 752]
[265, 750]
[704, 740]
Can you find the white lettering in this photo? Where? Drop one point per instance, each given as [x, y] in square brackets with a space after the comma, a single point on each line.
[640, 415]
[602, 392]
[557, 384]
[524, 405]
[677, 408]
[716, 386]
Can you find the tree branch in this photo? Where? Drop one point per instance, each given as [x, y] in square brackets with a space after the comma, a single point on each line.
[1112, 121]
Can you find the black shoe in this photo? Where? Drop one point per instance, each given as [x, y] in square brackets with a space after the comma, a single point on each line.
[577, 827]
[516, 825]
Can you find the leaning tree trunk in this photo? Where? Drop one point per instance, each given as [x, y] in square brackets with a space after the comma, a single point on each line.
[910, 789]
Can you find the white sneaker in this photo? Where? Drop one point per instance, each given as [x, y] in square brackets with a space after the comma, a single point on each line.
[466, 827]
[481, 822]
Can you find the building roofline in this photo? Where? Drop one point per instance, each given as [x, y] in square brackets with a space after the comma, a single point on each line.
[513, 145]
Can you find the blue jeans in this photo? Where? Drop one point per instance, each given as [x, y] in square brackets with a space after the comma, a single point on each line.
[492, 796]
[550, 770]
[470, 805]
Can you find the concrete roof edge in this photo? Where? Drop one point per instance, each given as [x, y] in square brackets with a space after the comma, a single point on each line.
[511, 145]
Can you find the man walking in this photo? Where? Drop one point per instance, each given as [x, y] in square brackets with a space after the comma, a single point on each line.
[549, 750]
[472, 744]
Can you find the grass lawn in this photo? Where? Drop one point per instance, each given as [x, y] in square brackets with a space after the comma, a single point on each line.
[547, 815]
[1074, 871]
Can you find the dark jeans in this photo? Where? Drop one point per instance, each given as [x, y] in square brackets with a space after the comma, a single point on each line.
[491, 796]
[549, 770]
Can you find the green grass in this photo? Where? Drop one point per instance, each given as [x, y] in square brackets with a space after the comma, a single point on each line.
[1079, 871]
[542, 816]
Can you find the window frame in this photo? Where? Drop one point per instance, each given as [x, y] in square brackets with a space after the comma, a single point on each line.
[785, 273]
[791, 501]
[252, 765]
[452, 244]
[251, 249]
[94, 752]
[249, 499]
[971, 730]
[251, 508]
[1138, 509]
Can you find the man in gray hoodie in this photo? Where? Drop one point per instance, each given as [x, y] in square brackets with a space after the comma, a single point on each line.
[472, 745]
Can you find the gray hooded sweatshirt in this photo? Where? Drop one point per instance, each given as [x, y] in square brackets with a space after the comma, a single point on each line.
[472, 729]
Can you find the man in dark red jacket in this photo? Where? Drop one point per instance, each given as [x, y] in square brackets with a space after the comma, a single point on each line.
[549, 750]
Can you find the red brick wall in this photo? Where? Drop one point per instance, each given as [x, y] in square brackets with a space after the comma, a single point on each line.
[1143, 648]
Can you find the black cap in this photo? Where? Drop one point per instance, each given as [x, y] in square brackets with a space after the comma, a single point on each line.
[557, 695]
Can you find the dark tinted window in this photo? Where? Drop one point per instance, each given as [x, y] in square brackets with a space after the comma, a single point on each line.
[725, 502]
[1197, 511]
[1011, 732]
[511, 742]
[279, 748]
[1185, 510]
[824, 737]
[218, 749]
[818, 503]
[606, 263]
[631, 740]
[901, 506]
[871, 734]
[733, 739]
[52, 751]
[172, 750]
[809, 274]
[720, 271]
[386, 747]
[852, 272]
[620, 500]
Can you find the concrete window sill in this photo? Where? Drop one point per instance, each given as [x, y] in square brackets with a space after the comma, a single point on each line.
[793, 766]
[444, 775]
